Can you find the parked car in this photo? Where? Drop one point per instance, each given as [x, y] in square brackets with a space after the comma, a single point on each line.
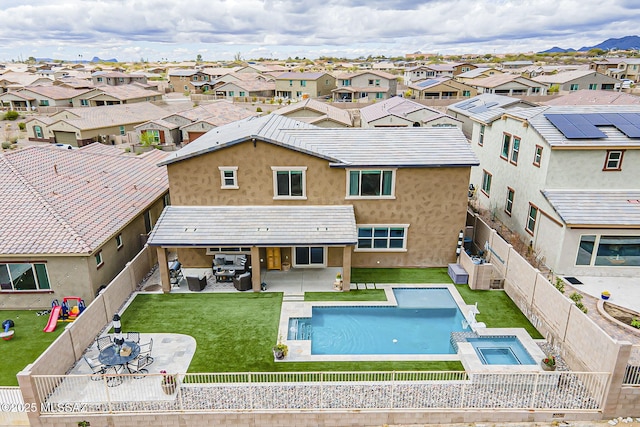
[64, 146]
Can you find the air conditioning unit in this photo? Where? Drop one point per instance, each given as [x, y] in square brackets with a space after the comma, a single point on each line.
[496, 283]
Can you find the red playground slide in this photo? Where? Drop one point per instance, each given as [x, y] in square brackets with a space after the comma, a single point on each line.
[53, 319]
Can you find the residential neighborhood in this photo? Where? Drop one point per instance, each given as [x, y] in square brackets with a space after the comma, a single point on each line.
[396, 241]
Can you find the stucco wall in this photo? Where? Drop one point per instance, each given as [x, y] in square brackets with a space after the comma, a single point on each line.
[431, 200]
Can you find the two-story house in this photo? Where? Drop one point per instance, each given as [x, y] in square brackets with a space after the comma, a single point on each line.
[281, 190]
[116, 78]
[508, 84]
[365, 86]
[628, 68]
[567, 180]
[441, 88]
[401, 112]
[571, 81]
[189, 80]
[293, 85]
[425, 72]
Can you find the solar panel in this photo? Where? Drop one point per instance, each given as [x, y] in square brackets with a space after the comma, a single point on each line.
[575, 126]
[491, 104]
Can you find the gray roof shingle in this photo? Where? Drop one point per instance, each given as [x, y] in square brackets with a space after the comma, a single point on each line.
[596, 207]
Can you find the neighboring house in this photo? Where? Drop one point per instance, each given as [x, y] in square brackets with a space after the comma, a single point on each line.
[401, 112]
[606, 65]
[114, 95]
[365, 86]
[71, 224]
[629, 68]
[115, 78]
[317, 113]
[281, 190]
[571, 81]
[188, 80]
[192, 123]
[566, 180]
[294, 85]
[478, 73]
[425, 72]
[84, 125]
[508, 84]
[15, 80]
[29, 98]
[512, 65]
[594, 97]
[463, 110]
[441, 88]
[253, 88]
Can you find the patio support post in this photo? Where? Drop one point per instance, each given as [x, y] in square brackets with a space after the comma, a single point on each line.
[346, 268]
[255, 268]
[163, 266]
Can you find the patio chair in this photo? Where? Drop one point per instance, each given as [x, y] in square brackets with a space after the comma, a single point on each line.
[133, 337]
[138, 366]
[97, 368]
[145, 351]
[104, 342]
[114, 378]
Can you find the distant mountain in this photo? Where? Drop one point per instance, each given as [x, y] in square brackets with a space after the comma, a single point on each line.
[623, 43]
[78, 61]
[96, 59]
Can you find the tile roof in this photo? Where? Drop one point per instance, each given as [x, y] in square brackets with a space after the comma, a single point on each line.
[343, 147]
[253, 85]
[596, 207]
[567, 76]
[292, 75]
[328, 111]
[125, 92]
[500, 79]
[110, 115]
[481, 103]
[255, 225]
[363, 72]
[594, 97]
[71, 201]
[55, 91]
[217, 113]
[396, 106]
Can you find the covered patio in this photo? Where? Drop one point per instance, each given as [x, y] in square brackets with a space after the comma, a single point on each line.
[311, 239]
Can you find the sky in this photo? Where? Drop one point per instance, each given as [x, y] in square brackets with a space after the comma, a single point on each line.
[172, 30]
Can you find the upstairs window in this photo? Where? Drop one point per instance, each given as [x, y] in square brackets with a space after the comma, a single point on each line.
[515, 150]
[508, 203]
[506, 146]
[532, 217]
[486, 182]
[613, 161]
[481, 138]
[289, 182]
[228, 177]
[371, 183]
[537, 156]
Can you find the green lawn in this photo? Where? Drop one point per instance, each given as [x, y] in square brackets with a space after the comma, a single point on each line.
[399, 275]
[235, 333]
[27, 343]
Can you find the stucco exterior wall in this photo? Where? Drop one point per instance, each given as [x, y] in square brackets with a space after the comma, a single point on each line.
[431, 200]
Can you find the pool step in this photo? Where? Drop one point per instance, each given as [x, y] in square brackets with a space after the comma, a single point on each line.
[293, 297]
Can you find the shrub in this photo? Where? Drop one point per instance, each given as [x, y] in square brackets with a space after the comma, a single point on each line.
[635, 323]
[6, 145]
[559, 285]
[11, 115]
[22, 126]
[258, 110]
[577, 298]
[13, 139]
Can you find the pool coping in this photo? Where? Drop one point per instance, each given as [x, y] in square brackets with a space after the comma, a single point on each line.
[300, 350]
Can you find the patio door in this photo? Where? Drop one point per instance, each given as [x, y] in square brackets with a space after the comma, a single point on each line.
[310, 256]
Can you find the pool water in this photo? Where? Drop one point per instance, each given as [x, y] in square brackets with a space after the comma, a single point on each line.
[504, 350]
[422, 323]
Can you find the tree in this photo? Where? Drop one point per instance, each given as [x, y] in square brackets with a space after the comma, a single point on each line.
[237, 57]
[199, 58]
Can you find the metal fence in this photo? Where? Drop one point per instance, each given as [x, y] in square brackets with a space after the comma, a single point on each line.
[11, 397]
[632, 372]
[322, 391]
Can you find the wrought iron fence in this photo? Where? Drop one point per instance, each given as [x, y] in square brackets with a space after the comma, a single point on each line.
[321, 391]
[632, 372]
[11, 399]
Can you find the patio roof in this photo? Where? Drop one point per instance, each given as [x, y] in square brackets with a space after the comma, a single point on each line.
[206, 226]
[597, 208]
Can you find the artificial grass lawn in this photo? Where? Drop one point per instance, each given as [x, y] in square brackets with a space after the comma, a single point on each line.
[399, 275]
[27, 344]
[352, 295]
[235, 333]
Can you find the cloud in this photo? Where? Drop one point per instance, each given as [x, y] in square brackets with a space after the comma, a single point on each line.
[393, 26]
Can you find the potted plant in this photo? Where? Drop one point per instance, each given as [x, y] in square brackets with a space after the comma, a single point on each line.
[169, 382]
[605, 295]
[549, 363]
[280, 350]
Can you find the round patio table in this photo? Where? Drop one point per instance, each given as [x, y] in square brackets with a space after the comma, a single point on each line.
[110, 356]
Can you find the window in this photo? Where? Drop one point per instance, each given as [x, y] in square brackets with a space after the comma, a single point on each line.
[508, 203]
[153, 135]
[379, 95]
[309, 256]
[537, 157]
[387, 238]
[119, 243]
[371, 183]
[515, 150]
[242, 93]
[99, 261]
[531, 219]
[231, 93]
[535, 90]
[346, 82]
[290, 82]
[593, 86]
[303, 83]
[574, 86]
[298, 94]
[586, 250]
[228, 177]
[481, 138]
[613, 161]
[44, 102]
[99, 79]
[289, 182]
[506, 145]
[486, 182]
[122, 130]
[23, 277]
[370, 82]
[466, 93]
[84, 102]
[37, 130]
[377, 82]
[166, 200]
[195, 78]
[618, 251]
[186, 87]
[147, 221]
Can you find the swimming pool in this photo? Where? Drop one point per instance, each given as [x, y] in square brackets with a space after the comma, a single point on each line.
[501, 350]
[421, 323]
